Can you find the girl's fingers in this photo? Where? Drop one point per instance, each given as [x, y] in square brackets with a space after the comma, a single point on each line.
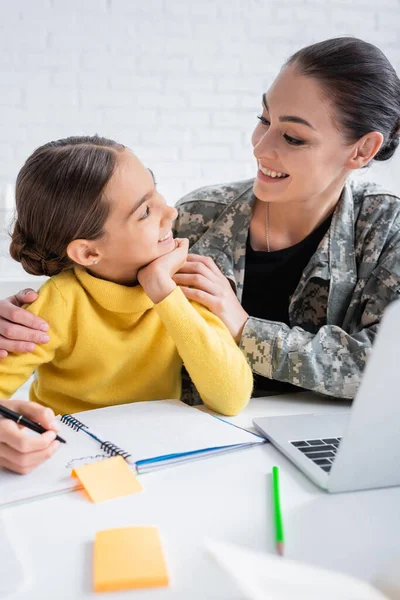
[181, 242]
[21, 441]
[36, 412]
[24, 463]
[6, 464]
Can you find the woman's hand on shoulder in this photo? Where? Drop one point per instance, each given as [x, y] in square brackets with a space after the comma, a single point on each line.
[156, 277]
[20, 450]
[201, 280]
[20, 330]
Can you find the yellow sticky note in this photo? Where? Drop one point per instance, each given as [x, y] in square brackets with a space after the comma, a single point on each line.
[107, 479]
[128, 558]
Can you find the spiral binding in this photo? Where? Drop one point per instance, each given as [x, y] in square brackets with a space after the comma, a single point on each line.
[114, 450]
[107, 447]
[75, 424]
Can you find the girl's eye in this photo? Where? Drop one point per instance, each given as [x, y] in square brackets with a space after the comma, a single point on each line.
[145, 214]
[263, 120]
[293, 141]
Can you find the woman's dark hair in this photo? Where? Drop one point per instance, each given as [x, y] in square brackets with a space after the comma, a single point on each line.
[362, 85]
[59, 198]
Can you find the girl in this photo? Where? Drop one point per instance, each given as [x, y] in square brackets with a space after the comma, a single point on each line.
[90, 217]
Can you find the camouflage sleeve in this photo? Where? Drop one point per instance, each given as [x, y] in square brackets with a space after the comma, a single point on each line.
[332, 361]
[194, 219]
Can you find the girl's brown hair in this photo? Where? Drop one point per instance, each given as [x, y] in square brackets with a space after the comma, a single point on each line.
[60, 198]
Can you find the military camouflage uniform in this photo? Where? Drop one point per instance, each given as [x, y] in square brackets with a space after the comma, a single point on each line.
[336, 308]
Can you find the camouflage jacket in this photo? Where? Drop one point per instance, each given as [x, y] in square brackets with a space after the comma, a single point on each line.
[336, 308]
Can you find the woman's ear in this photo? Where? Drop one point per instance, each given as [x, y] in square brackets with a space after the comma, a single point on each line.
[365, 149]
[83, 252]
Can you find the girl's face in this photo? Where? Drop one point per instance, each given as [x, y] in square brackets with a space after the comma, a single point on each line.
[138, 229]
[300, 153]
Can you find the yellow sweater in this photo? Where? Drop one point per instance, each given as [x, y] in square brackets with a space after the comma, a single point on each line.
[109, 344]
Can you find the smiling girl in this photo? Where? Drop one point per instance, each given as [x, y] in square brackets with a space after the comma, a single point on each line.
[89, 216]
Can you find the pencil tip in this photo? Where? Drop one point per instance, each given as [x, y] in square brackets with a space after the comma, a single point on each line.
[279, 548]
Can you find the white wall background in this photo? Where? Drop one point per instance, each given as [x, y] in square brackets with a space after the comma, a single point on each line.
[179, 81]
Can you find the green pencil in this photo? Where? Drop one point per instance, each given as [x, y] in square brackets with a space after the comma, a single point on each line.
[279, 539]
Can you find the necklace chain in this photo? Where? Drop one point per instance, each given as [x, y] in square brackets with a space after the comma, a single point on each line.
[267, 225]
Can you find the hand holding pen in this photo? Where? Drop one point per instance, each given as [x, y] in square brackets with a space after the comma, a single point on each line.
[20, 452]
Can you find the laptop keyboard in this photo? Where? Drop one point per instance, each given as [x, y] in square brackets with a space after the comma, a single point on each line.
[322, 452]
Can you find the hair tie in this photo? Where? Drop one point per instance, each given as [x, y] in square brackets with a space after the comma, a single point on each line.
[43, 265]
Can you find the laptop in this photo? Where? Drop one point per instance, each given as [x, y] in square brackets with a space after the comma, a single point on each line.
[358, 449]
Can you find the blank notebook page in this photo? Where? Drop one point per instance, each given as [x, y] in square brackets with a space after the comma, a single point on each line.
[144, 429]
[150, 429]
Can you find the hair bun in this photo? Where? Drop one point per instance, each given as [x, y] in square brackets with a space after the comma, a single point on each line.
[388, 149]
[32, 260]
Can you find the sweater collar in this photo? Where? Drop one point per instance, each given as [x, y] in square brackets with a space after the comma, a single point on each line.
[113, 296]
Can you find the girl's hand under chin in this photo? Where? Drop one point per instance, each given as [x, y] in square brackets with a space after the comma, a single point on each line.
[156, 277]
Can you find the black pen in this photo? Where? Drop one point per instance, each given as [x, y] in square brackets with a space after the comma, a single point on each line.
[21, 420]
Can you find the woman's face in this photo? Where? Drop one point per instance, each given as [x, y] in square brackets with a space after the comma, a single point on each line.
[138, 229]
[300, 152]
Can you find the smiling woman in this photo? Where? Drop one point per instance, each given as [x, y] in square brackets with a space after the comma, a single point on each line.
[300, 262]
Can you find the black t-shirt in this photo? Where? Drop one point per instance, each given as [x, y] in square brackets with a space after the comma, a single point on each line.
[270, 280]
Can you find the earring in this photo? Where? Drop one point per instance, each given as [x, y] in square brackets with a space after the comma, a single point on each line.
[95, 262]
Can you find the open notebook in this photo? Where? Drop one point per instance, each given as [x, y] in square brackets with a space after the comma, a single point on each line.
[149, 435]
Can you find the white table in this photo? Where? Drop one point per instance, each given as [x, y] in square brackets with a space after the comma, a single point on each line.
[224, 498]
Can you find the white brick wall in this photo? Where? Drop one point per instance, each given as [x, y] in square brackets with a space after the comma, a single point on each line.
[179, 81]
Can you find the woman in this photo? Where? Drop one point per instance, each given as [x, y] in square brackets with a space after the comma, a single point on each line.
[304, 263]
[313, 260]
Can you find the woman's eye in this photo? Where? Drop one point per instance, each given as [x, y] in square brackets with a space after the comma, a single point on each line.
[290, 140]
[145, 214]
[263, 120]
[293, 141]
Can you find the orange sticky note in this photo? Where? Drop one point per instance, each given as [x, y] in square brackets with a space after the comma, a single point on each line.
[128, 558]
[107, 479]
